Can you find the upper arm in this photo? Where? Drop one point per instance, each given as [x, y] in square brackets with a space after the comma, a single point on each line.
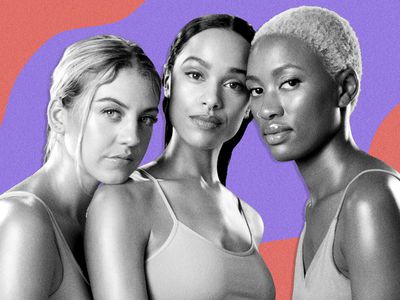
[371, 237]
[28, 251]
[115, 244]
[255, 222]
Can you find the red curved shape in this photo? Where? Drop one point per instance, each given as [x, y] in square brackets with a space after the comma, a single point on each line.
[385, 144]
[25, 25]
[280, 256]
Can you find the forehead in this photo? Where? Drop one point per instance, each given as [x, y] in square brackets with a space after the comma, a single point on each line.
[217, 45]
[130, 87]
[275, 51]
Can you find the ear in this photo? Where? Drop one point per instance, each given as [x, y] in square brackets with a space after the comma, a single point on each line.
[56, 115]
[167, 82]
[348, 86]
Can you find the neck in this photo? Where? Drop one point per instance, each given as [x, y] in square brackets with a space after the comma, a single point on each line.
[68, 193]
[325, 170]
[187, 161]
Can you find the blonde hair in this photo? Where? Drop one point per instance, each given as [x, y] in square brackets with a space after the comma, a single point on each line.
[84, 67]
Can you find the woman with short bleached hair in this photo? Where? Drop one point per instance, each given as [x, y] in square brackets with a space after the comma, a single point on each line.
[103, 103]
[304, 78]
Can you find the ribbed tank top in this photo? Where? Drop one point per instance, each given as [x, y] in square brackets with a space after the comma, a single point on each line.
[74, 285]
[323, 280]
[189, 266]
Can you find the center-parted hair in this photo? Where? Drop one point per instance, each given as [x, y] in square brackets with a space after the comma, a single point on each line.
[216, 21]
[84, 67]
[326, 33]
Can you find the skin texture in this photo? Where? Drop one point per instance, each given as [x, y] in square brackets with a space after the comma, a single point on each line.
[31, 265]
[130, 222]
[291, 88]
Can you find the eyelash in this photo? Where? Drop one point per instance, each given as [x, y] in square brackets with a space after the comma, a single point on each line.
[193, 74]
[238, 85]
[294, 80]
[111, 112]
[255, 89]
[148, 120]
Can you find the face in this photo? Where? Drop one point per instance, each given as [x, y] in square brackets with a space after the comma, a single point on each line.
[208, 94]
[293, 98]
[118, 127]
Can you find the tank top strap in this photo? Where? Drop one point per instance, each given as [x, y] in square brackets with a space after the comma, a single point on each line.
[162, 194]
[354, 179]
[241, 210]
[57, 229]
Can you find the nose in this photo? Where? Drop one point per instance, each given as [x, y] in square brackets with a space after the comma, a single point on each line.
[270, 107]
[129, 134]
[212, 97]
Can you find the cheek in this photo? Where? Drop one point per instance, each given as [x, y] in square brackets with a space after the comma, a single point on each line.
[255, 107]
[96, 138]
[144, 137]
[238, 111]
[178, 110]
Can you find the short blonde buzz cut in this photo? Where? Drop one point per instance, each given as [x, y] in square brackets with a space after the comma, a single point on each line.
[325, 32]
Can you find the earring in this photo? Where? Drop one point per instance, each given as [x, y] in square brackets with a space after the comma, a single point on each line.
[166, 92]
[247, 113]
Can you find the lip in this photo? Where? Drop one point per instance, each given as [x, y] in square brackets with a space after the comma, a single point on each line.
[122, 158]
[206, 122]
[276, 133]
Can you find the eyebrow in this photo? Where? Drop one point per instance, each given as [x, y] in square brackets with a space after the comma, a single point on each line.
[276, 71]
[286, 66]
[237, 71]
[208, 66]
[252, 78]
[110, 99]
[197, 59]
[151, 109]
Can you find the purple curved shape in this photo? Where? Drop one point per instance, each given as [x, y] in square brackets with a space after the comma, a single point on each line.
[274, 189]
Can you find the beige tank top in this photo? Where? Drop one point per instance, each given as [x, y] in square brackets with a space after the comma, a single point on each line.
[74, 285]
[189, 266]
[323, 280]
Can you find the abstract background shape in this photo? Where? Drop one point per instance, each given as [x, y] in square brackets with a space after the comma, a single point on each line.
[25, 25]
[274, 189]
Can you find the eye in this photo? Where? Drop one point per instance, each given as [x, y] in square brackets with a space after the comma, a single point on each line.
[256, 92]
[290, 84]
[148, 120]
[234, 85]
[194, 75]
[112, 114]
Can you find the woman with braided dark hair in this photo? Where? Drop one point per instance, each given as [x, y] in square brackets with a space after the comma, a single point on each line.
[176, 231]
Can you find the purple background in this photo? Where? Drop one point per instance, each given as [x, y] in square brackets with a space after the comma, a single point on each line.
[274, 189]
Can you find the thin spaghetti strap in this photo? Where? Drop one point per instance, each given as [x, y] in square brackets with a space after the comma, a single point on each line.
[354, 179]
[241, 210]
[160, 190]
[57, 228]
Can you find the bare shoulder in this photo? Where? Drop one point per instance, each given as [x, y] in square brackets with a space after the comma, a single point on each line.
[374, 190]
[368, 229]
[27, 248]
[255, 222]
[127, 204]
[26, 214]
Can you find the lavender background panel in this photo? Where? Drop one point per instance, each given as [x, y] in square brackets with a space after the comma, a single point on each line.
[274, 189]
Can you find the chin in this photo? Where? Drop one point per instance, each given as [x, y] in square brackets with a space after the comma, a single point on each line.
[204, 143]
[114, 178]
[283, 154]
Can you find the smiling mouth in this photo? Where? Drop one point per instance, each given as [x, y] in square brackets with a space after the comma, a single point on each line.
[206, 122]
